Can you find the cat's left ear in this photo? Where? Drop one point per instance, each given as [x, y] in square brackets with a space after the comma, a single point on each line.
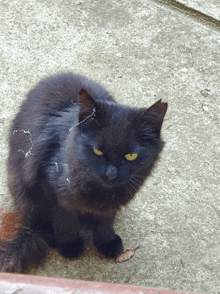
[155, 114]
[87, 105]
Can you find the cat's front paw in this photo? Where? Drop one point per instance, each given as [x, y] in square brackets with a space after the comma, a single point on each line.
[71, 249]
[111, 248]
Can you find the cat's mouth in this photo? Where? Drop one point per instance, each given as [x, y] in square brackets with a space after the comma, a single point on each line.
[111, 182]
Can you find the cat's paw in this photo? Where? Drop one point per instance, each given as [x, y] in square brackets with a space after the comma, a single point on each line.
[111, 248]
[71, 249]
[50, 240]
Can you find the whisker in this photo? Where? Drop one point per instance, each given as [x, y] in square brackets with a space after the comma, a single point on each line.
[138, 176]
[135, 181]
[132, 185]
[128, 189]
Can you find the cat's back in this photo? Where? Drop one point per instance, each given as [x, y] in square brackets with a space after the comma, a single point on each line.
[56, 94]
[62, 91]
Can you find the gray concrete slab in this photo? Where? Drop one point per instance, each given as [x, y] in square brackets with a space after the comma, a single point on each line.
[160, 53]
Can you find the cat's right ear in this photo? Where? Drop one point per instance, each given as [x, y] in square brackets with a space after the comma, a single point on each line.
[86, 104]
[156, 113]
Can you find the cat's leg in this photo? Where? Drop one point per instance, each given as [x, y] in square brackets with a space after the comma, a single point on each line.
[66, 229]
[106, 240]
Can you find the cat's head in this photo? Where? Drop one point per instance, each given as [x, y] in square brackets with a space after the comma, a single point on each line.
[118, 144]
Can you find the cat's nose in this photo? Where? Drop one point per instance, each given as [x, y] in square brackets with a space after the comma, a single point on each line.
[111, 172]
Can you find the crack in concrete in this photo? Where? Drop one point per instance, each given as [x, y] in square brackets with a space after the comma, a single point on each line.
[199, 17]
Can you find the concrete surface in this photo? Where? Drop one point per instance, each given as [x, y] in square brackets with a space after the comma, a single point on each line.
[160, 52]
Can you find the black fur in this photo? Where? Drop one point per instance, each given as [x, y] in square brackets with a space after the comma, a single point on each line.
[57, 181]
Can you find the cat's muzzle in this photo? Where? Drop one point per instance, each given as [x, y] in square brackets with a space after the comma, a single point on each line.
[111, 172]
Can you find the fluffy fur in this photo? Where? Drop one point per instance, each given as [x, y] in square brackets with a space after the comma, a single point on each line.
[57, 181]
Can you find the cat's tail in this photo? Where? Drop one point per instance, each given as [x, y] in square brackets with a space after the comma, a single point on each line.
[25, 249]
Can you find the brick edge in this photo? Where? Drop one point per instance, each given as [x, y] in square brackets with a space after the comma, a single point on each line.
[18, 282]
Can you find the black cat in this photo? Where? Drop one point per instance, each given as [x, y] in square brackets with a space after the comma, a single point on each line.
[76, 156]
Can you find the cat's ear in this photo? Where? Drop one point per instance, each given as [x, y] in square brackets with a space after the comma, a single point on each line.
[87, 105]
[155, 114]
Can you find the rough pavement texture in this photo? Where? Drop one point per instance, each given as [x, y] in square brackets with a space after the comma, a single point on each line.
[162, 49]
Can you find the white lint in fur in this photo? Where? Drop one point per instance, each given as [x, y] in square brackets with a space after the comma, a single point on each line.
[20, 150]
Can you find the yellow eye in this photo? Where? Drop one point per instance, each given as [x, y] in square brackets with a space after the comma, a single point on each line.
[97, 152]
[131, 156]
